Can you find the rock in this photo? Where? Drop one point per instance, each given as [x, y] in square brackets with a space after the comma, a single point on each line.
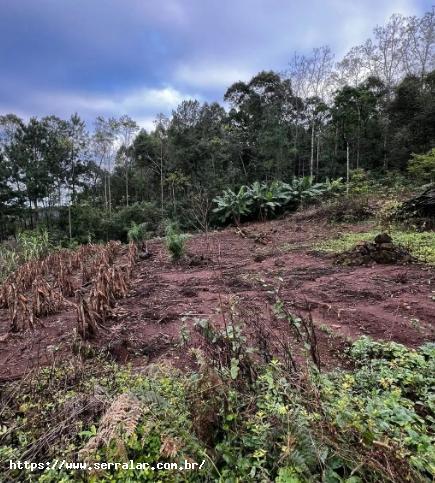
[383, 238]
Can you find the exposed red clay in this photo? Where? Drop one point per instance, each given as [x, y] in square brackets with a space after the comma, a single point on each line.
[391, 302]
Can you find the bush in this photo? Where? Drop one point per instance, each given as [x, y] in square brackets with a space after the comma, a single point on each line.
[422, 166]
[94, 222]
[137, 233]
[175, 241]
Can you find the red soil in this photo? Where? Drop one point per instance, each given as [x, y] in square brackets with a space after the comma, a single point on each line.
[390, 302]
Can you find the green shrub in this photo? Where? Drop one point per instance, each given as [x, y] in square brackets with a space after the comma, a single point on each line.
[175, 241]
[96, 222]
[29, 245]
[9, 261]
[422, 166]
[137, 233]
[33, 244]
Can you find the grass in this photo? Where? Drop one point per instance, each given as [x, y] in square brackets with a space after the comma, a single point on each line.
[420, 244]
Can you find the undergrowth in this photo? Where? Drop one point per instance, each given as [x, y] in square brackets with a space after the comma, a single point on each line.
[29, 245]
[420, 244]
[248, 416]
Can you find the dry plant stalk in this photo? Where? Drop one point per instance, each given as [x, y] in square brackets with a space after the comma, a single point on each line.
[45, 300]
[87, 325]
[118, 423]
[22, 317]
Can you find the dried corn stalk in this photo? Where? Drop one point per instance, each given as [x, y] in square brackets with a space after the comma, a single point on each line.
[45, 300]
[87, 325]
[22, 318]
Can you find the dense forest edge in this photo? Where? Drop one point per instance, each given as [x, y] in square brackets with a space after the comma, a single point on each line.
[155, 285]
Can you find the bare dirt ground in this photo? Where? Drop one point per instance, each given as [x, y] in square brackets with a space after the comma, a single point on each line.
[390, 302]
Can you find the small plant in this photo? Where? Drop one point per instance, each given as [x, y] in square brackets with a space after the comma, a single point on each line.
[175, 241]
[386, 215]
[137, 233]
[33, 244]
[8, 261]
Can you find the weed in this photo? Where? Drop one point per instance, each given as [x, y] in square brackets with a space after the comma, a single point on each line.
[175, 241]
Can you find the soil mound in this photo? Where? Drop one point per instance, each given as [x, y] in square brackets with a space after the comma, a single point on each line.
[381, 250]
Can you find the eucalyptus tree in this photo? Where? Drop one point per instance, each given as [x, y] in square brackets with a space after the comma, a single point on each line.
[104, 149]
[312, 78]
[258, 119]
[127, 128]
[419, 44]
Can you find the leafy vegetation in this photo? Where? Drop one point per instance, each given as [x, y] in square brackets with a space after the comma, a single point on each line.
[175, 241]
[422, 166]
[248, 421]
[261, 200]
[30, 245]
[137, 233]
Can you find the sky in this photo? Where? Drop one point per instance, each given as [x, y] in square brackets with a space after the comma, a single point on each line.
[142, 57]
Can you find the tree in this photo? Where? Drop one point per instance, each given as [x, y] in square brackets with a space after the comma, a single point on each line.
[103, 142]
[126, 130]
[422, 166]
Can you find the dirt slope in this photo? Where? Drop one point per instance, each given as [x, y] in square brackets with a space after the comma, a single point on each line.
[387, 302]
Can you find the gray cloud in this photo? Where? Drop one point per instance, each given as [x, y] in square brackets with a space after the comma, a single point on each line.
[142, 57]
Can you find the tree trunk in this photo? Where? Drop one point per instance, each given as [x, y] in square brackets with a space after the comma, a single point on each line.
[69, 222]
[358, 139]
[312, 150]
[347, 167]
[318, 154]
[126, 181]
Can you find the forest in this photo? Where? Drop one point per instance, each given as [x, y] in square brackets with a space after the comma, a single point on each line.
[372, 111]
[243, 293]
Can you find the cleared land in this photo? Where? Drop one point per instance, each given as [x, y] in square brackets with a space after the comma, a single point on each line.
[390, 302]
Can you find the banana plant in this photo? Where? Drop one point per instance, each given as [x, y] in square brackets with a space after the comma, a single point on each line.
[334, 187]
[304, 189]
[233, 204]
[266, 197]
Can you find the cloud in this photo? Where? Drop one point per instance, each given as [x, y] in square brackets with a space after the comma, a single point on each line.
[141, 57]
[142, 104]
[209, 75]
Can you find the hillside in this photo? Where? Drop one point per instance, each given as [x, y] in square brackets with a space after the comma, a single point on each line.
[389, 302]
